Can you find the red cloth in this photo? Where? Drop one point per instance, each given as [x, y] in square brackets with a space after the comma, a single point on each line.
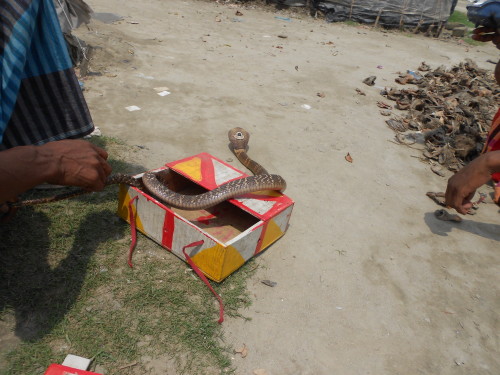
[493, 141]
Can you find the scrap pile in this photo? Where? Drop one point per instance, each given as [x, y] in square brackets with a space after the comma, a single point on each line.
[452, 109]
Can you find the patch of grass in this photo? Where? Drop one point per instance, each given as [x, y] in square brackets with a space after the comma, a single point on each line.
[461, 17]
[471, 41]
[351, 23]
[63, 275]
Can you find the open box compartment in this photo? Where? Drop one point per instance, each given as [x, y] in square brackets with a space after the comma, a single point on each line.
[232, 232]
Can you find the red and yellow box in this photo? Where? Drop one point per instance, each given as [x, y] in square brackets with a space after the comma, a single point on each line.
[56, 369]
[232, 232]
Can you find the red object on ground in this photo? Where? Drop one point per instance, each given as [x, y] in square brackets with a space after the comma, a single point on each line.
[55, 369]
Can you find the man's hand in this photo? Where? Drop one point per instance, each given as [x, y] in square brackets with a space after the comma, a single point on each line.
[462, 186]
[76, 163]
[68, 162]
[486, 34]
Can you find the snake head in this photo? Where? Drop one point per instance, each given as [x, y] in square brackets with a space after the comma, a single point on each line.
[239, 138]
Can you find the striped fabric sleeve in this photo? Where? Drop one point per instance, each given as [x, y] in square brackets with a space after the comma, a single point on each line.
[40, 97]
[492, 142]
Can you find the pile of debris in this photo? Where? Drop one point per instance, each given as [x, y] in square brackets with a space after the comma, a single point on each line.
[450, 109]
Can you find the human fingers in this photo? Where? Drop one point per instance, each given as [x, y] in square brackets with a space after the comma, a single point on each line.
[484, 34]
[465, 208]
[460, 204]
[483, 37]
[451, 192]
[102, 170]
[453, 196]
[102, 153]
[107, 168]
[102, 158]
[89, 172]
[94, 161]
[466, 204]
[484, 30]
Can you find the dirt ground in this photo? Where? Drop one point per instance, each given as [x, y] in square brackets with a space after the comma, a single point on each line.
[368, 280]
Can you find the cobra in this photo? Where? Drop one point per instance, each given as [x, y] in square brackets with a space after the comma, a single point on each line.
[238, 138]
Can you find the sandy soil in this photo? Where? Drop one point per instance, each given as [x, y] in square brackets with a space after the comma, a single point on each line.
[368, 280]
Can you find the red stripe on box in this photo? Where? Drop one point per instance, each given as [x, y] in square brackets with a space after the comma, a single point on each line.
[207, 171]
[168, 230]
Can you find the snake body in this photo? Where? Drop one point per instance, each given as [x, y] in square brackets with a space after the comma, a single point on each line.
[238, 139]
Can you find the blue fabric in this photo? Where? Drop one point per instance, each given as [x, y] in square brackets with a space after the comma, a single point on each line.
[486, 13]
[33, 45]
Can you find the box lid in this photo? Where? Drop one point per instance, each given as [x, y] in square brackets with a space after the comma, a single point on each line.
[211, 172]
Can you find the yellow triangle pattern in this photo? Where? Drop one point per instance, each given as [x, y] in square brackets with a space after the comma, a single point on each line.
[124, 199]
[273, 232]
[218, 261]
[191, 167]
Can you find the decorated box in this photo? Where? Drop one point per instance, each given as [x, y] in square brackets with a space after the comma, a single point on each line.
[230, 233]
[56, 369]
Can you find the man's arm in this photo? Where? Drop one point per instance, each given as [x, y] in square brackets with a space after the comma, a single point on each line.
[462, 186]
[68, 162]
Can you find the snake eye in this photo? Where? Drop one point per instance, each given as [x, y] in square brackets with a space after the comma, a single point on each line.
[239, 135]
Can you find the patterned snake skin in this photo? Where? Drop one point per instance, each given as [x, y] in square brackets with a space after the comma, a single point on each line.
[238, 138]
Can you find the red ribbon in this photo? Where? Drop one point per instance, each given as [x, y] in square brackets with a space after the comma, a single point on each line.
[133, 230]
[202, 277]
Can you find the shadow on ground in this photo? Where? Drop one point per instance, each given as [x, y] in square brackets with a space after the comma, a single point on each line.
[442, 228]
[39, 294]
[45, 253]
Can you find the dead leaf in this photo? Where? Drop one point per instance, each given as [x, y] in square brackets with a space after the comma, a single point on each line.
[269, 283]
[348, 158]
[396, 125]
[437, 170]
[238, 13]
[437, 197]
[243, 351]
[360, 92]
[297, 68]
[383, 105]
[405, 139]
[321, 94]
[404, 79]
[424, 67]
[370, 81]
[402, 105]
[217, 19]
[129, 365]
